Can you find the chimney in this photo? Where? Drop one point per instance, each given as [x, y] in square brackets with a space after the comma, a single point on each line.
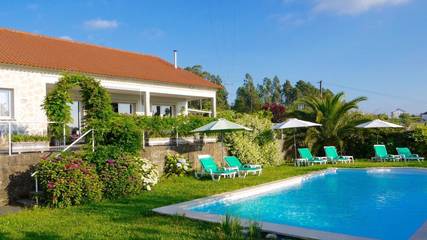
[175, 58]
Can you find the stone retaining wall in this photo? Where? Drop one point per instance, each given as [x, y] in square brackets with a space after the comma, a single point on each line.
[15, 171]
[16, 182]
[15, 179]
[190, 151]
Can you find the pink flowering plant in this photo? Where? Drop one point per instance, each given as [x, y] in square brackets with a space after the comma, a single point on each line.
[67, 180]
[127, 175]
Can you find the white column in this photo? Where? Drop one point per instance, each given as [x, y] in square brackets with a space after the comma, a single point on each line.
[182, 108]
[147, 104]
[213, 110]
[139, 106]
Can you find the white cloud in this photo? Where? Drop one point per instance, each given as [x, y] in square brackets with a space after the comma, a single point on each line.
[66, 38]
[290, 19]
[101, 24]
[153, 33]
[353, 7]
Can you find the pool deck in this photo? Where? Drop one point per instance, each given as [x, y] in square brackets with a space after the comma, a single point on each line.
[280, 229]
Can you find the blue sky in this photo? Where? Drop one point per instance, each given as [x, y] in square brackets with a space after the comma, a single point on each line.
[375, 48]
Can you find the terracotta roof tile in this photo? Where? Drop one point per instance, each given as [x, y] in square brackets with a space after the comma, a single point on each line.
[20, 48]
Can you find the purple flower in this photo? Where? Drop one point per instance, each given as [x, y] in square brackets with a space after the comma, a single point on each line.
[72, 166]
[110, 161]
[50, 185]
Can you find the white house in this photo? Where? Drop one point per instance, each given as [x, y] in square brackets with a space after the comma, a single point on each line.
[424, 117]
[396, 113]
[139, 84]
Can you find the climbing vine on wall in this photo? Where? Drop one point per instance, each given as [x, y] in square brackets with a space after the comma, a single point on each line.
[95, 99]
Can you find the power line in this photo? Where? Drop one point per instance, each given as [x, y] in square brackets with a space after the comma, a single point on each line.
[411, 99]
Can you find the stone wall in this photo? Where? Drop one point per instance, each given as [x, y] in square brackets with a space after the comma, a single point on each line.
[15, 179]
[190, 151]
[16, 182]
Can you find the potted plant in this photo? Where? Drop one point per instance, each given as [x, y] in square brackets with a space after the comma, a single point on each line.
[29, 143]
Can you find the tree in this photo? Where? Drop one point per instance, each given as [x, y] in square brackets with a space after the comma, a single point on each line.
[247, 97]
[334, 113]
[278, 111]
[265, 90]
[276, 91]
[288, 93]
[221, 94]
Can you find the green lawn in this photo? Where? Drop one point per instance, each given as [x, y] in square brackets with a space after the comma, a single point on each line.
[132, 218]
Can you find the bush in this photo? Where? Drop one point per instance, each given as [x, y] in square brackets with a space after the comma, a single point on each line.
[29, 138]
[156, 126]
[176, 165]
[360, 143]
[68, 180]
[257, 146]
[102, 154]
[124, 134]
[147, 172]
[127, 175]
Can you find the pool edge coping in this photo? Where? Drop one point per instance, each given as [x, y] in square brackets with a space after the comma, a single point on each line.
[180, 209]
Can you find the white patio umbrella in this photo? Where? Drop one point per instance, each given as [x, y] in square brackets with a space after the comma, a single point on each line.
[377, 123]
[295, 123]
[221, 126]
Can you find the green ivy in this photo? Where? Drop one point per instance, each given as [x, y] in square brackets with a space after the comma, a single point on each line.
[95, 98]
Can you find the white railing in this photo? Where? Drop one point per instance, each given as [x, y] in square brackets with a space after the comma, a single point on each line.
[28, 128]
[80, 138]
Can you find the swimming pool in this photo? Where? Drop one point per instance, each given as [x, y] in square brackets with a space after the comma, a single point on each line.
[381, 203]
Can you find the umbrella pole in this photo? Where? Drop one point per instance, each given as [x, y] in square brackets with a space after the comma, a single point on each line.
[222, 147]
[295, 146]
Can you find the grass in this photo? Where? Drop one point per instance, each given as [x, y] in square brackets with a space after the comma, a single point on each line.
[132, 218]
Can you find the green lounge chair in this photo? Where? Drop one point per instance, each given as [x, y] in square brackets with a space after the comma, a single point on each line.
[243, 170]
[210, 168]
[332, 155]
[406, 154]
[307, 158]
[382, 155]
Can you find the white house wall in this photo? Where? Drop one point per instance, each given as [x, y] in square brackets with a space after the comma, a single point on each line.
[30, 86]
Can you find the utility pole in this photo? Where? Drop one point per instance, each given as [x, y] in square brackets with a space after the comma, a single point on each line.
[320, 87]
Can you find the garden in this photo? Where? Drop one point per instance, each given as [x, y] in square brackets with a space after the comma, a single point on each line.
[109, 192]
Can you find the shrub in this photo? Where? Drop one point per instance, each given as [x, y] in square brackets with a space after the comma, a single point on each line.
[29, 138]
[168, 126]
[67, 180]
[120, 178]
[277, 110]
[176, 165]
[147, 172]
[124, 134]
[257, 146]
[127, 175]
[102, 154]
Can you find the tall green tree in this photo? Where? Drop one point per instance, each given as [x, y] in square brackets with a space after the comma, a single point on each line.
[265, 90]
[276, 96]
[221, 94]
[288, 93]
[334, 113]
[247, 97]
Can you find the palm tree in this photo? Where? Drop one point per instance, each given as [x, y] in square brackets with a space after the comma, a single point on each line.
[336, 116]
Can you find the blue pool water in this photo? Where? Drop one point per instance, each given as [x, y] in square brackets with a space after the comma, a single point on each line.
[382, 204]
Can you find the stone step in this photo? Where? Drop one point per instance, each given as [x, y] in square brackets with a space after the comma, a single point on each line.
[27, 203]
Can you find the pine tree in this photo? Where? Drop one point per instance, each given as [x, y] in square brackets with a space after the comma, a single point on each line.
[288, 93]
[247, 96]
[276, 91]
[265, 90]
[221, 94]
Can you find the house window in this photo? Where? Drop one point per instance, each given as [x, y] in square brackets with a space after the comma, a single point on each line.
[162, 110]
[124, 108]
[6, 103]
